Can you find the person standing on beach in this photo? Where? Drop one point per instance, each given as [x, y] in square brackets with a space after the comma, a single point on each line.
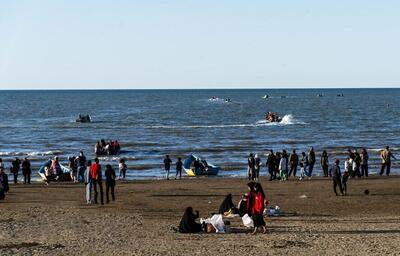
[110, 182]
[81, 166]
[256, 206]
[15, 166]
[293, 162]
[251, 162]
[283, 167]
[271, 165]
[303, 166]
[257, 166]
[122, 169]
[97, 180]
[179, 166]
[167, 165]
[278, 156]
[336, 175]
[88, 182]
[364, 162]
[26, 170]
[311, 161]
[3, 181]
[386, 156]
[325, 163]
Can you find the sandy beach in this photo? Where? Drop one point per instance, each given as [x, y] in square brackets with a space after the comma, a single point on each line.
[54, 220]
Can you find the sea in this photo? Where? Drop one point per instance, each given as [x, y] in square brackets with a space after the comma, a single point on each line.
[152, 123]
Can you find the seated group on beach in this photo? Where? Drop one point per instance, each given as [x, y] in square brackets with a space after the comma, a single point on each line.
[251, 208]
[107, 148]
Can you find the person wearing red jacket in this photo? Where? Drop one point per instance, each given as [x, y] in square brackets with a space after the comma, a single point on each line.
[97, 180]
[256, 206]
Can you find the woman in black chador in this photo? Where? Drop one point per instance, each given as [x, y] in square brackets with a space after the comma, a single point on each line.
[188, 222]
[226, 205]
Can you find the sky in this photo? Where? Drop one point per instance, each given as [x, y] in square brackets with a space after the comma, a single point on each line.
[58, 44]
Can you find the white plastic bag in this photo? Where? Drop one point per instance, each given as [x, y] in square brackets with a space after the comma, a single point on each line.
[247, 221]
[217, 222]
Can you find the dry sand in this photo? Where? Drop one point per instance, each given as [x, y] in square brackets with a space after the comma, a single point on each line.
[54, 220]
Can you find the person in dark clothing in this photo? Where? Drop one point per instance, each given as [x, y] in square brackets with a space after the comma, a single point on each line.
[179, 166]
[242, 205]
[3, 183]
[357, 163]
[110, 182]
[386, 157]
[271, 159]
[251, 163]
[226, 205]
[364, 162]
[325, 163]
[167, 165]
[350, 154]
[188, 222]
[97, 180]
[311, 161]
[26, 170]
[293, 162]
[15, 166]
[336, 175]
[81, 166]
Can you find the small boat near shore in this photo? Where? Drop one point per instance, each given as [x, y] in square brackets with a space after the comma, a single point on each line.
[83, 119]
[204, 168]
[272, 117]
[63, 173]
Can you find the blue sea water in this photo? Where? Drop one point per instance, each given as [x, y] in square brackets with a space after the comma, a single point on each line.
[152, 123]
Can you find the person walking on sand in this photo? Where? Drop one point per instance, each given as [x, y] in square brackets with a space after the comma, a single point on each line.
[122, 169]
[88, 182]
[364, 162]
[336, 175]
[179, 166]
[293, 162]
[15, 166]
[110, 182]
[311, 162]
[325, 163]
[271, 165]
[26, 170]
[303, 166]
[251, 162]
[386, 156]
[167, 165]
[256, 206]
[97, 180]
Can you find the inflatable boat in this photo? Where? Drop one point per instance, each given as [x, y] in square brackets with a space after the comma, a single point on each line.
[204, 169]
[83, 119]
[272, 117]
[63, 175]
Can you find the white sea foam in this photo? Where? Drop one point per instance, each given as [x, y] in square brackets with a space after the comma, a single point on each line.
[286, 120]
[35, 153]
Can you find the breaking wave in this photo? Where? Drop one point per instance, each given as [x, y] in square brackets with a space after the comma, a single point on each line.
[35, 153]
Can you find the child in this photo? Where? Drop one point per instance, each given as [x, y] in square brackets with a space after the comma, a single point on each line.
[122, 169]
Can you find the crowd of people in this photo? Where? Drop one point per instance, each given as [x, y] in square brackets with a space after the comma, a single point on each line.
[252, 205]
[107, 148]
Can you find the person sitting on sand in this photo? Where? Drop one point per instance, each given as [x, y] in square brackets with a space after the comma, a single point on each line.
[188, 222]
[227, 205]
[3, 182]
[336, 175]
[242, 205]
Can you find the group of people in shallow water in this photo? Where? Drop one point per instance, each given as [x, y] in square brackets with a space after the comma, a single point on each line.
[107, 148]
[252, 205]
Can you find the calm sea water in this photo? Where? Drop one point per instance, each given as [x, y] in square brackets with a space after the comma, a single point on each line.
[151, 123]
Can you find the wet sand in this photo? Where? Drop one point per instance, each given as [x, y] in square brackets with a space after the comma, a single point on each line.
[54, 220]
